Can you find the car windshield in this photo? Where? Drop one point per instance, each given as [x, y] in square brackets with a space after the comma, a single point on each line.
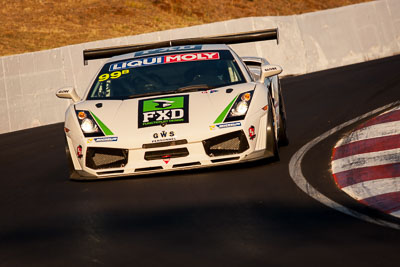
[145, 76]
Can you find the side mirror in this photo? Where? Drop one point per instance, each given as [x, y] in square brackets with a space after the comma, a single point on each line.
[69, 93]
[269, 71]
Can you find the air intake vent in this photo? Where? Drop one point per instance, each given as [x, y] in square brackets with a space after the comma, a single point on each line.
[227, 144]
[105, 158]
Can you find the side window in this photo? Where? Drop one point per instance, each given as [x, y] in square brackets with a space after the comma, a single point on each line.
[244, 64]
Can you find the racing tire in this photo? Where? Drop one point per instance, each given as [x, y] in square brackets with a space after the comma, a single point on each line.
[272, 145]
[282, 132]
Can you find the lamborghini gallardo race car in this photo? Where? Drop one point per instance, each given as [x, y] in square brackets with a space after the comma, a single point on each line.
[181, 104]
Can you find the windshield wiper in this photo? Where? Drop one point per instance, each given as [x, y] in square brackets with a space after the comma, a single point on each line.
[196, 87]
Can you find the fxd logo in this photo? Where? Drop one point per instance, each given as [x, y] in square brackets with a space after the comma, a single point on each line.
[167, 110]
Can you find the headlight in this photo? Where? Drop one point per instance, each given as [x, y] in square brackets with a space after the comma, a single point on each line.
[89, 126]
[240, 107]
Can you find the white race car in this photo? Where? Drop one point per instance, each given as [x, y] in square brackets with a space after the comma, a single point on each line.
[163, 107]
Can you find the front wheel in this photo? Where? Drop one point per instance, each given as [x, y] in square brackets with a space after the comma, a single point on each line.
[282, 132]
[283, 138]
[272, 145]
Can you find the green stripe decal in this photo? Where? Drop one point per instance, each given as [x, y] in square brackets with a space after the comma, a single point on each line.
[103, 127]
[222, 116]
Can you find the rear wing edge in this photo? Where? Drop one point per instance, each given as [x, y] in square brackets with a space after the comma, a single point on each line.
[244, 37]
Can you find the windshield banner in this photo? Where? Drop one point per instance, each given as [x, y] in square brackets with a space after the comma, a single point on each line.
[141, 62]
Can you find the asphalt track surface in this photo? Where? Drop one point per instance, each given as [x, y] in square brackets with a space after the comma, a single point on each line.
[246, 215]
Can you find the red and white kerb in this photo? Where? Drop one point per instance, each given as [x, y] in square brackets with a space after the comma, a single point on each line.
[366, 163]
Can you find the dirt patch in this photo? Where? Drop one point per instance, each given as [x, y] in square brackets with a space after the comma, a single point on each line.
[32, 25]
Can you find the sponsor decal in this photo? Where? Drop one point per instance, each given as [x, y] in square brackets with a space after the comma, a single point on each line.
[63, 91]
[210, 91]
[252, 132]
[165, 59]
[163, 103]
[164, 136]
[166, 158]
[168, 49]
[225, 125]
[160, 111]
[102, 139]
[164, 140]
[106, 139]
[228, 125]
[271, 68]
[79, 152]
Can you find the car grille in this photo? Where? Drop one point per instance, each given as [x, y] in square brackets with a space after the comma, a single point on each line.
[169, 153]
[164, 144]
[226, 144]
[105, 158]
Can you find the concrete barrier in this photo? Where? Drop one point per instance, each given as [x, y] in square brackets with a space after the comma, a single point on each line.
[308, 42]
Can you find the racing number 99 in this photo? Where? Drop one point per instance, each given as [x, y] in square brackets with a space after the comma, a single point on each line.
[113, 75]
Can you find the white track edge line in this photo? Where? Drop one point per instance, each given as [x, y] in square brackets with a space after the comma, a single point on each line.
[396, 214]
[299, 179]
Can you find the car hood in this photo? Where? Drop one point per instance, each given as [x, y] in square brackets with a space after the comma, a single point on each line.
[191, 116]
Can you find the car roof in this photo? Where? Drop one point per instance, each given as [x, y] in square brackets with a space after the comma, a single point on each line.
[169, 50]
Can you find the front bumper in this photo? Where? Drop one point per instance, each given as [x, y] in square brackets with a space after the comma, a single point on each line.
[110, 162]
[229, 147]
